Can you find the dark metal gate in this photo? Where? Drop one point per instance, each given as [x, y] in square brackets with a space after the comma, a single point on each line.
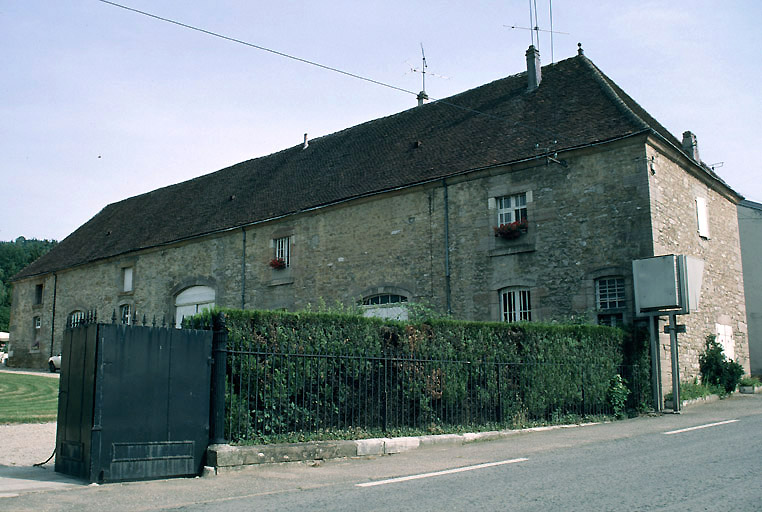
[133, 402]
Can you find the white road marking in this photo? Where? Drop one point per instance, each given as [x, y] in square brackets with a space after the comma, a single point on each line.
[439, 473]
[700, 426]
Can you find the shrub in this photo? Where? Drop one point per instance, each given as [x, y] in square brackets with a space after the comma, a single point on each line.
[617, 395]
[750, 381]
[716, 369]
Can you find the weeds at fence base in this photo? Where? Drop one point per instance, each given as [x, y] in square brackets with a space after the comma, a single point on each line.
[363, 433]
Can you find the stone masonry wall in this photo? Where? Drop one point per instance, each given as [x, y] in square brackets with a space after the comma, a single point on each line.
[675, 231]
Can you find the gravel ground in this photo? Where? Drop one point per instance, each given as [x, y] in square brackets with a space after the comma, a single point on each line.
[27, 444]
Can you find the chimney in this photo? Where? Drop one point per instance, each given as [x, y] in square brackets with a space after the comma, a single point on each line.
[306, 143]
[690, 146]
[534, 72]
[422, 98]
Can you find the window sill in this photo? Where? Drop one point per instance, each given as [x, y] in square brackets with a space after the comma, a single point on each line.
[513, 248]
[281, 281]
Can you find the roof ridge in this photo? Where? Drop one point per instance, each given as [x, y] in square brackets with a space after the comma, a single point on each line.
[604, 81]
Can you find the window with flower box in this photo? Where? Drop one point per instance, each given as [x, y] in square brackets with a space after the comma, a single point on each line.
[515, 305]
[511, 208]
[282, 253]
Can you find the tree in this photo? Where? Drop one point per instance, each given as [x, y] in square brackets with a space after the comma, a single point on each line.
[14, 256]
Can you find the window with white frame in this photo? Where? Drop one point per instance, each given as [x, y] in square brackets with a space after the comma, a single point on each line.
[127, 279]
[386, 305]
[125, 314]
[610, 300]
[515, 305]
[283, 249]
[193, 301]
[511, 208]
[702, 217]
[37, 323]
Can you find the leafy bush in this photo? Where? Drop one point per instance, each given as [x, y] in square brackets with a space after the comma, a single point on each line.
[716, 369]
[750, 381]
[617, 395]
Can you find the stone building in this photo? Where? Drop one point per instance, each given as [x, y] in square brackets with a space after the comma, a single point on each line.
[405, 209]
[750, 227]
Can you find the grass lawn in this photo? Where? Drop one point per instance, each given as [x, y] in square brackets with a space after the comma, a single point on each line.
[27, 398]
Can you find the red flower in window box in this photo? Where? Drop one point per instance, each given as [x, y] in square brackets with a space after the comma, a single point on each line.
[278, 263]
[512, 230]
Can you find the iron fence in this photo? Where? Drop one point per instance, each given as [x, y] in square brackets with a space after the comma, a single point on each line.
[270, 394]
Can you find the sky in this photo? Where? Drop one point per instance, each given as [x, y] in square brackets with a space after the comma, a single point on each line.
[98, 103]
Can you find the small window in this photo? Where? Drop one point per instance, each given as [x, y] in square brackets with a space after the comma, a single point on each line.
[609, 293]
[384, 298]
[386, 305]
[702, 217]
[611, 319]
[127, 279]
[515, 305]
[37, 323]
[283, 249]
[610, 300]
[76, 318]
[125, 314]
[38, 294]
[511, 209]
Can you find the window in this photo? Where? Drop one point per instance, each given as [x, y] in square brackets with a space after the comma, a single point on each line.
[283, 249]
[37, 323]
[383, 298]
[511, 208]
[725, 339]
[609, 293]
[124, 314]
[385, 305]
[515, 305]
[76, 318]
[38, 294]
[192, 301]
[610, 300]
[702, 217]
[127, 279]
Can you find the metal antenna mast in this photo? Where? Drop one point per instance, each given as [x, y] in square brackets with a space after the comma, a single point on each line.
[535, 29]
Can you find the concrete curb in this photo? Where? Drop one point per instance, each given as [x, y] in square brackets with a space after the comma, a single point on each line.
[224, 457]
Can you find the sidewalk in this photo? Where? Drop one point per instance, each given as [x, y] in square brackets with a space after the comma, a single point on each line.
[30, 371]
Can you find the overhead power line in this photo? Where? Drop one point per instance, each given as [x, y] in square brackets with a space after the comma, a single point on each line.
[317, 64]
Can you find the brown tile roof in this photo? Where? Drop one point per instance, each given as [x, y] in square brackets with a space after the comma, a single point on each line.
[496, 123]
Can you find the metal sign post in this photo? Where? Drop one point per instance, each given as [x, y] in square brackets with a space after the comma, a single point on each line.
[666, 286]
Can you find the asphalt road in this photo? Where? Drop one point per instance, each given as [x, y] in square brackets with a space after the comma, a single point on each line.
[649, 463]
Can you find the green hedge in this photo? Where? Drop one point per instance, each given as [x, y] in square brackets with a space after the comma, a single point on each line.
[391, 375]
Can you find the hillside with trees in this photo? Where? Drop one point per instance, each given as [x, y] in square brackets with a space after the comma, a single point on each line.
[14, 256]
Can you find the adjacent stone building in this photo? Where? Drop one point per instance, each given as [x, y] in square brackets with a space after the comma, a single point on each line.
[576, 178]
[750, 226]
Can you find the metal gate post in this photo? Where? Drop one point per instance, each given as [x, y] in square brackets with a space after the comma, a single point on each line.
[219, 363]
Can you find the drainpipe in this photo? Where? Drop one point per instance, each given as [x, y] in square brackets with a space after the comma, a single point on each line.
[243, 270]
[447, 248]
[53, 321]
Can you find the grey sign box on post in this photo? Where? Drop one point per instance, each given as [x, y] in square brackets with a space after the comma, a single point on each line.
[657, 283]
[665, 283]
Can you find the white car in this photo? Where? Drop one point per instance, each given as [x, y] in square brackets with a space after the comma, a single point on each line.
[54, 363]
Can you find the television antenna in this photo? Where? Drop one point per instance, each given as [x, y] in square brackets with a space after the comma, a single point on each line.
[423, 71]
[535, 29]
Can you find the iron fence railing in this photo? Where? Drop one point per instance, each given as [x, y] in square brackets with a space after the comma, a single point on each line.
[270, 394]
